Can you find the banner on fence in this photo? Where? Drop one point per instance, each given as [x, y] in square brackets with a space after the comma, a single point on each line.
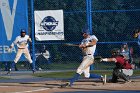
[49, 25]
[13, 17]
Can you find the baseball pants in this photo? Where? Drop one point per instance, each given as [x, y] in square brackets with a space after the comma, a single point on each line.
[85, 66]
[26, 54]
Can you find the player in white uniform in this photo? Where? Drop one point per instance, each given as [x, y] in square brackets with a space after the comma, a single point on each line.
[88, 46]
[22, 45]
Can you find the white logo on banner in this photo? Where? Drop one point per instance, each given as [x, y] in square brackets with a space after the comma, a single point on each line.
[49, 25]
[8, 16]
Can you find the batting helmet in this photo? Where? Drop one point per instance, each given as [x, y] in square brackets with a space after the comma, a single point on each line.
[85, 30]
[23, 31]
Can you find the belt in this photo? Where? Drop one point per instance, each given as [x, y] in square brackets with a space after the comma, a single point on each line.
[87, 54]
[21, 48]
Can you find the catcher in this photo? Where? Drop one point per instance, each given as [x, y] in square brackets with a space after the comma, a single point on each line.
[22, 44]
[123, 68]
[88, 46]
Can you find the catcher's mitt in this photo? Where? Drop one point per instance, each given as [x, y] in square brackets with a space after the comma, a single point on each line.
[98, 58]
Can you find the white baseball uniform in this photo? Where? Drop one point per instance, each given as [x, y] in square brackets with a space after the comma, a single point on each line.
[22, 44]
[88, 58]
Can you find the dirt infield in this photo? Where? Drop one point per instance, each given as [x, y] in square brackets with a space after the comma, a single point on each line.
[24, 82]
[53, 86]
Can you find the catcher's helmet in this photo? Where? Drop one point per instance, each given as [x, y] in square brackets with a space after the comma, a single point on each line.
[115, 52]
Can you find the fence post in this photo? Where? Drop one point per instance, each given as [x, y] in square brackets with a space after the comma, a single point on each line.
[89, 20]
[33, 39]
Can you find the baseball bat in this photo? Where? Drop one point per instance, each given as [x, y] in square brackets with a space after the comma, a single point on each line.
[69, 44]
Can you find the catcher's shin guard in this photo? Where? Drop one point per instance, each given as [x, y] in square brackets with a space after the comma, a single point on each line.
[123, 76]
[119, 73]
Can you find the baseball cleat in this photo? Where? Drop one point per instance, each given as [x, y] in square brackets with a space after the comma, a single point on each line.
[9, 72]
[33, 71]
[65, 85]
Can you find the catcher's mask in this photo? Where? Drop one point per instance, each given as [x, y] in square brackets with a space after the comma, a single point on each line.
[115, 52]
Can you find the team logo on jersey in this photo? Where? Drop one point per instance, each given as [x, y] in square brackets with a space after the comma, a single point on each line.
[49, 23]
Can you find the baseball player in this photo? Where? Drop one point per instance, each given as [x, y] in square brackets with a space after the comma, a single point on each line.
[88, 46]
[123, 68]
[22, 45]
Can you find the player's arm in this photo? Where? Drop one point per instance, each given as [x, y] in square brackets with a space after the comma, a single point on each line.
[29, 39]
[109, 59]
[90, 44]
[13, 43]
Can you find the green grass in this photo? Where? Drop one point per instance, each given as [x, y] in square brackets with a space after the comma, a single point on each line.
[69, 74]
[74, 65]
[55, 74]
[4, 78]
[62, 66]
